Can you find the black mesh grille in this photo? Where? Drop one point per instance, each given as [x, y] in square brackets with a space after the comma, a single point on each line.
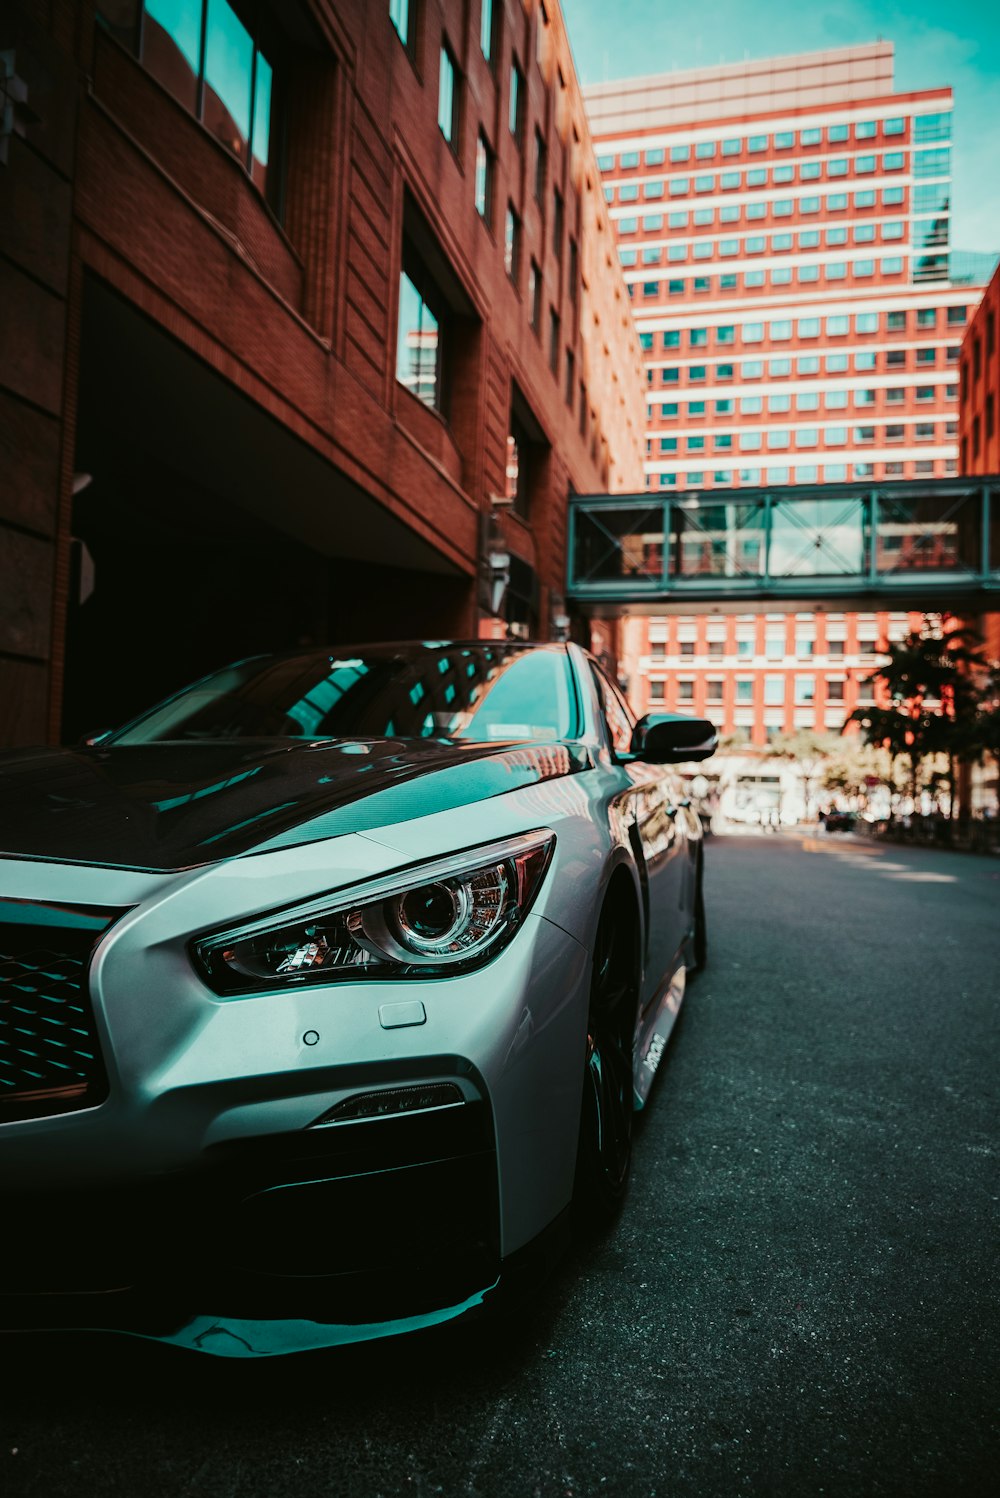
[50, 1058]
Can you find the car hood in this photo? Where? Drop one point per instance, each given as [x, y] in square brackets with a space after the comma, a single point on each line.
[165, 807]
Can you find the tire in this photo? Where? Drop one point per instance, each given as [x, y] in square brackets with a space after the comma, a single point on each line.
[604, 1152]
[699, 939]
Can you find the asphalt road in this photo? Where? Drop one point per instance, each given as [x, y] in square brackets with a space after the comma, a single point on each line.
[799, 1299]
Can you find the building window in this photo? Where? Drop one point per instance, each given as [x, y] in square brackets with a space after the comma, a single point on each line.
[541, 167]
[484, 179]
[448, 97]
[399, 15]
[535, 296]
[805, 688]
[418, 346]
[515, 115]
[558, 221]
[512, 244]
[488, 18]
[554, 340]
[526, 452]
[223, 72]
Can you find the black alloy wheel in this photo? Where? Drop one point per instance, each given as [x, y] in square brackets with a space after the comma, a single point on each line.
[604, 1156]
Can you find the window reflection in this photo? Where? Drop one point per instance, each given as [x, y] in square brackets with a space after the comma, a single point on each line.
[263, 90]
[171, 46]
[211, 60]
[487, 692]
[418, 345]
[228, 78]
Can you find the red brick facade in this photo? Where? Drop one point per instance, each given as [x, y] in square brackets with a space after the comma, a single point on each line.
[979, 422]
[979, 413]
[217, 381]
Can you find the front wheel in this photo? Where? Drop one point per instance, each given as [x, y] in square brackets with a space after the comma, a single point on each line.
[604, 1154]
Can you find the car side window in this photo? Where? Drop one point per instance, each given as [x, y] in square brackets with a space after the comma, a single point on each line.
[616, 713]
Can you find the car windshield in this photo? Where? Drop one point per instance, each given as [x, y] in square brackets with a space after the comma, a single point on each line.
[473, 691]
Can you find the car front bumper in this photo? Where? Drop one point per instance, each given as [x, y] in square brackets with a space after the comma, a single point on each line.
[209, 1180]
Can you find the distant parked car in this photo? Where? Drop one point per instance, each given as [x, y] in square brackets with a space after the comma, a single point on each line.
[838, 821]
[330, 985]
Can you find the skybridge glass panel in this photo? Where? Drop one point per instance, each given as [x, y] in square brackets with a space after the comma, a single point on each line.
[928, 533]
[718, 540]
[615, 544]
[817, 537]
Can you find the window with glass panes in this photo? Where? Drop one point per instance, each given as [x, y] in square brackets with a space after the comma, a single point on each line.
[219, 61]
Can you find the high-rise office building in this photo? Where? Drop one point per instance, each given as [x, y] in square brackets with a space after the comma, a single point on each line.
[784, 229]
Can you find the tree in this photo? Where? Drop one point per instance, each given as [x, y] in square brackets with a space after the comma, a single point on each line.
[734, 742]
[853, 767]
[931, 681]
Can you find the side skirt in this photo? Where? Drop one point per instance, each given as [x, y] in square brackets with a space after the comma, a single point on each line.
[653, 1040]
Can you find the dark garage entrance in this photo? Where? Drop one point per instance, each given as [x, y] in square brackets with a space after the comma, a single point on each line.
[205, 531]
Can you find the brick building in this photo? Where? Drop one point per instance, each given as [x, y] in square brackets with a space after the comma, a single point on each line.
[312, 318]
[979, 411]
[784, 226]
[979, 422]
[760, 676]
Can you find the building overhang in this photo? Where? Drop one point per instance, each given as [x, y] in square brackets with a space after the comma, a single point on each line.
[141, 388]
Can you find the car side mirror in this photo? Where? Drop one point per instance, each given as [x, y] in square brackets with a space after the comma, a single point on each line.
[672, 738]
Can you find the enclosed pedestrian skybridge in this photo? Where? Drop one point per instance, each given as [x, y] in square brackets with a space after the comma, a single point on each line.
[932, 544]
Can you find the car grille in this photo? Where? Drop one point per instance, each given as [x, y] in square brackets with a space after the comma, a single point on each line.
[50, 1056]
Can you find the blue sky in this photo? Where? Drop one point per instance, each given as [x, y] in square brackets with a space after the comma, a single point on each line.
[956, 44]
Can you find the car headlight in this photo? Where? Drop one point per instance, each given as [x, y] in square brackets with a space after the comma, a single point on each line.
[439, 917]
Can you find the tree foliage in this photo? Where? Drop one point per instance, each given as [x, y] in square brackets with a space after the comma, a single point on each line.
[934, 683]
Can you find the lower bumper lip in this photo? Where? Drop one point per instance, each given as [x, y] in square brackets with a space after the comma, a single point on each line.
[261, 1330]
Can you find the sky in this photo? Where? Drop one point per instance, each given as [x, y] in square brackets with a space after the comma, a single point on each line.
[936, 44]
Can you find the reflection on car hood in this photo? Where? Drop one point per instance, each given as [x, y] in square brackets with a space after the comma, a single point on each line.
[174, 806]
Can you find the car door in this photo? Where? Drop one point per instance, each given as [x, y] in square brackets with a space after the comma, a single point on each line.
[653, 811]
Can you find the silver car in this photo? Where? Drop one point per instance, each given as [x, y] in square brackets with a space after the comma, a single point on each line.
[329, 988]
